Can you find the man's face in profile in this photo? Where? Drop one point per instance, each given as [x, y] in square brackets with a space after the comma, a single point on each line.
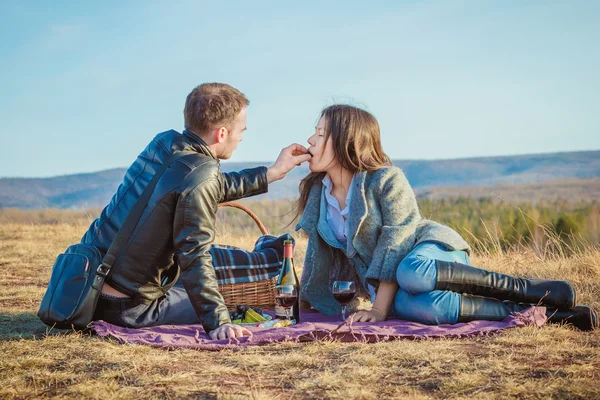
[234, 136]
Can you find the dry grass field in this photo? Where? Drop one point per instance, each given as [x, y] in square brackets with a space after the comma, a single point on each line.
[527, 363]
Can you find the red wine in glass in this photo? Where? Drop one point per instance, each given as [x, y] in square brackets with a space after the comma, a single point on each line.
[286, 301]
[344, 298]
[286, 296]
[343, 293]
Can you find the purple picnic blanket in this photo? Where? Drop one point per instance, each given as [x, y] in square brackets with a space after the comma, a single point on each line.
[314, 326]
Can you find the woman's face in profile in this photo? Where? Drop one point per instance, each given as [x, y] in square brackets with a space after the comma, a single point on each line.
[323, 157]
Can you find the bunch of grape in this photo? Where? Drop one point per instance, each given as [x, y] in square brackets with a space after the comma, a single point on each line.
[240, 311]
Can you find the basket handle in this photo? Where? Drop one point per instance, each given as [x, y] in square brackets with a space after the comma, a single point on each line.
[233, 204]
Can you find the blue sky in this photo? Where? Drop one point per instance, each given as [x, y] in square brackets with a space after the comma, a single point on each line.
[84, 86]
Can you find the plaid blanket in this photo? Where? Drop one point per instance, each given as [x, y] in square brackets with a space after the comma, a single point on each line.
[235, 265]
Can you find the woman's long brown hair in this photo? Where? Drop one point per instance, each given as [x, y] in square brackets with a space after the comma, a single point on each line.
[356, 145]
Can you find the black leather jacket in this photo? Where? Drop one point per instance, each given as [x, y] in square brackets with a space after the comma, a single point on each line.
[176, 230]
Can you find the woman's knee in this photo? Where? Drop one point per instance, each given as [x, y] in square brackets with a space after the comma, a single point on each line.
[415, 275]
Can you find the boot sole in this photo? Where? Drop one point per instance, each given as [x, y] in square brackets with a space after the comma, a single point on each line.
[593, 319]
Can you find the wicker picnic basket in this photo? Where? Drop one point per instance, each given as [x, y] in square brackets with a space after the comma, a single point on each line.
[258, 294]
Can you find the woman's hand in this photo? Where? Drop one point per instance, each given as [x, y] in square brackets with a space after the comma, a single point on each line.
[372, 315]
[385, 297]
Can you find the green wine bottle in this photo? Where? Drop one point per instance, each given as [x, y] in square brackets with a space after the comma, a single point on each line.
[287, 276]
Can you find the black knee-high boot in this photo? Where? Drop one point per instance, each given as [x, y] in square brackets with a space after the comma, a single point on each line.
[473, 308]
[463, 278]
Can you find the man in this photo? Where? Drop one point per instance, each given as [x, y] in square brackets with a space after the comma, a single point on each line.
[165, 274]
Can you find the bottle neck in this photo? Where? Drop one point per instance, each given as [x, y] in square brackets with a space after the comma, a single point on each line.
[288, 251]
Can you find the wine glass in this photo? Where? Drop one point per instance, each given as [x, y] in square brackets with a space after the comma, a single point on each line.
[286, 296]
[344, 292]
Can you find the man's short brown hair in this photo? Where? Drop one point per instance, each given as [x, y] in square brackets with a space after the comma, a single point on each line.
[212, 105]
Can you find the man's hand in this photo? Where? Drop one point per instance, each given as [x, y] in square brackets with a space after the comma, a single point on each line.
[227, 331]
[372, 315]
[290, 157]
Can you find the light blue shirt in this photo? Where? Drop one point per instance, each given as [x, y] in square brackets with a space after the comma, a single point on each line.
[337, 218]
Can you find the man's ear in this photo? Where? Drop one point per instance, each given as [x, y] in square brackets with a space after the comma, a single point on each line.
[217, 135]
[221, 134]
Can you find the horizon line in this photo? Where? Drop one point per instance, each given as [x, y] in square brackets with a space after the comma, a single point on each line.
[268, 162]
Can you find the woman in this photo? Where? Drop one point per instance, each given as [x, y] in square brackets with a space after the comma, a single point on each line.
[363, 224]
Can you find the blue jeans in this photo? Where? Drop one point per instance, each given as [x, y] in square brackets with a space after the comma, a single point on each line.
[416, 299]
[174, 308]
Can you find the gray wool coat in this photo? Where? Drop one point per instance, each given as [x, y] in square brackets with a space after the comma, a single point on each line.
[384, 225]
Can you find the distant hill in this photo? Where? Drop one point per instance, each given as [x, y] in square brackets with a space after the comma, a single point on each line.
[573, 190]
[92, 190]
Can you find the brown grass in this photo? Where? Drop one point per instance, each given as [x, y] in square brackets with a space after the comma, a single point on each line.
[551, 362]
